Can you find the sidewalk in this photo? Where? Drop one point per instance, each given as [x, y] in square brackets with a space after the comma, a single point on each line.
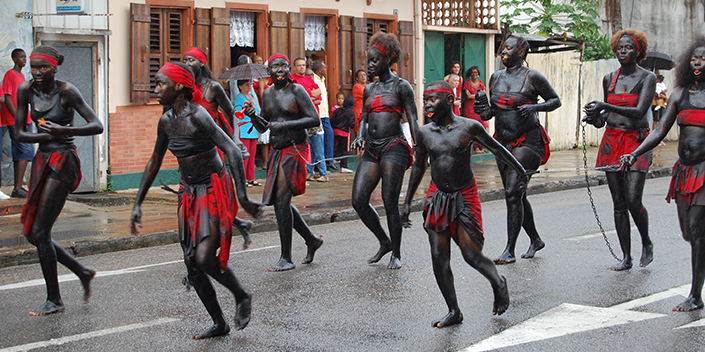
[99, 222]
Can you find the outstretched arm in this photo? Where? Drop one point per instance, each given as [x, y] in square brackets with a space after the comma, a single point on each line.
[497, 149]
[150, 173]
[418, 169]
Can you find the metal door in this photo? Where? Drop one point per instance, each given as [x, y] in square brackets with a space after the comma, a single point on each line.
[434, 58]
[79, 69]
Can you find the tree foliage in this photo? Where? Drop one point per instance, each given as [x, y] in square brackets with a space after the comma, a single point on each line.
[578, 20]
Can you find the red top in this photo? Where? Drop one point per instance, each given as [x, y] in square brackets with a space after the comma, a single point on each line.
[357, 93]
[308, 83]
[10, 83]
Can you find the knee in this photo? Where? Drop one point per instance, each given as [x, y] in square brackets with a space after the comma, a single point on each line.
[359, 203]
[621, 211]
[513, 195]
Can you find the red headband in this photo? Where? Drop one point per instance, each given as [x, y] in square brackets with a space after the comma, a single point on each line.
[638, 47]
[179, 75]
[438, 90]
[52, 61]
[277, 56]
[381, 48]
[197, 53]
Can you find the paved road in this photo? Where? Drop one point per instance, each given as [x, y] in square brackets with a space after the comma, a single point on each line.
[566, 299]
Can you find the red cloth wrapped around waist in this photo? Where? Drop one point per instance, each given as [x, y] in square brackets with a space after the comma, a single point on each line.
[616, 142]
[687, 184]
[443, 210]
[293, 161]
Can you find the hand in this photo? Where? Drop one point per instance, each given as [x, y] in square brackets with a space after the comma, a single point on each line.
[136, 219]
[480, 108]
[405, 210]
[256, 209]
[593, 108]
[626, 161]
[527, 110]
[358, 143]
[250, 111]
[275, 126]
[53, 129]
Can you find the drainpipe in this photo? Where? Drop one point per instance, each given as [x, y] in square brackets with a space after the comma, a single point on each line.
[419, 62]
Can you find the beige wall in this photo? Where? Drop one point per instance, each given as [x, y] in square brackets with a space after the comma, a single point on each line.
[119, 44]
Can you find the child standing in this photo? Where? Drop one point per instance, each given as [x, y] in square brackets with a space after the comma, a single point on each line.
[343, 120]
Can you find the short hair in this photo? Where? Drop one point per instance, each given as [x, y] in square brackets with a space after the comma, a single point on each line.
[638, 36]
[242, 81]
[390, 43]
[684, 76]
[452, 75]
[339, 93]
[243, 59]
[469, 72]
[16, 52]
[50, 51]
[317, 65]
[522, 43]
[298, 59]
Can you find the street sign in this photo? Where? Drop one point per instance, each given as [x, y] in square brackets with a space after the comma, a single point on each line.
[72, 7]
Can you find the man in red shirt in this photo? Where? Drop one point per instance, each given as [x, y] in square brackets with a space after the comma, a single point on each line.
[21, 153]
[3, 196]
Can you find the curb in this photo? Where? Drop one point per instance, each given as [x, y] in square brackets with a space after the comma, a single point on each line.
[15, 257]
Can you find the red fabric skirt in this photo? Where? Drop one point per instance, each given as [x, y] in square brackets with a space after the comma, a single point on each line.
[293, 161]
[616, 143]
[687, 184]
[444, 210]
[65, 163]
[201, 205]
[545, 142]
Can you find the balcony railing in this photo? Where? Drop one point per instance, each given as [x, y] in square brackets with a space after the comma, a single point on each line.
[481, 14]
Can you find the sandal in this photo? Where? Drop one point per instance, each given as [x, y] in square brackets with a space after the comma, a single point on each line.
[255, 183]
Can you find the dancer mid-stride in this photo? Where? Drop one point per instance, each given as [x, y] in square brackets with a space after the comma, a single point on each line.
[56, 169]
[207, 204]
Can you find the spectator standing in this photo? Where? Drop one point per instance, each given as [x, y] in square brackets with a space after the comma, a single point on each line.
[454, 81]
[21, 153]
[315, 134]
[319, 76]
[339, 100]
[357, 91]
[471, 87]
[3, 196]
[454, 70]
[248, 135]
[343, 120]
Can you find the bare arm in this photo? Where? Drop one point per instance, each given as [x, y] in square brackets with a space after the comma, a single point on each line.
[646, 95]
[418, 169]
[497, 149]
[150, 173]
[407, 95]
[660, 132]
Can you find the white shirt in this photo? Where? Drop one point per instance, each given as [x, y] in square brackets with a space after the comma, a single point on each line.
[323, 110]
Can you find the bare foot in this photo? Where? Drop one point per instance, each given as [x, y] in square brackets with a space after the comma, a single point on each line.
[505, 258]
[311, 251]
[647, 255]
[242, 317]
[283, 265]
[49, 307]
[626, 264]
[213, 331]
[533, 248]
[86, 282]
[383, 249]
[501, 298]
[394, 263]
[452, 318]
[689, 304]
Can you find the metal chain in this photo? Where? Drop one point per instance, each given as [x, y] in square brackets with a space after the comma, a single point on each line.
[589, 192]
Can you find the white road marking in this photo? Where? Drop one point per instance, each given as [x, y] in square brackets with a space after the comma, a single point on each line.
[88, 335]
[137, 269]
[571, 318]
[694, 324]
[595, 235]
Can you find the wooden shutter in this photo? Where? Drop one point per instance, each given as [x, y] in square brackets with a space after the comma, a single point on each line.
[279, 33]
[347, 74]
[406, 57]
[297, 35]
[220, 41]
[139, 63]
[202, 32]
[166, 42]
[360, 44]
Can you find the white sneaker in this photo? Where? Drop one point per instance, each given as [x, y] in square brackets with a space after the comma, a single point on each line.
[3, 196]
[345, 170]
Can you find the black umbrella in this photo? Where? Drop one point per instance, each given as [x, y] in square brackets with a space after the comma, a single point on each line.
[657, 61]
[244, 71]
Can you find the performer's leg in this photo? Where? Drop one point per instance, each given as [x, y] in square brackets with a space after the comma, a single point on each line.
[472, 253]
[283, 211]
[440, 257]
[49, 206]
[366, 179]
[206, 259]
[198, 278]
[635, 189]
[693, 226]
[529, 226]
[244, 227]
[392, 178]
[615, 181]
[312, 242]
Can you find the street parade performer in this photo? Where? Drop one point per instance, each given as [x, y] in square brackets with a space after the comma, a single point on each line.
[452, 209]
[287, 111]
[686, 106]
[56, 169]
[387, 153]
[627, 93]
[514, 94]
[207, 204]
[214, 97]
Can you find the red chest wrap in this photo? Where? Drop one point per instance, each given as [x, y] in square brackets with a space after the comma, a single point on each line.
[692, 117]
[629, 100]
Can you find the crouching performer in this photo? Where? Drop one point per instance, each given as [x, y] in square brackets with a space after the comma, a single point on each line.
[207, 204]
[287, 111]
[56, 169]
[452, 208]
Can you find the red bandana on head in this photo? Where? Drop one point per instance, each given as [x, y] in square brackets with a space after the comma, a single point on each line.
[438, 90]
[196, 53]
[279, 56]
[179, 75]
[380, 48]
[52, 61]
